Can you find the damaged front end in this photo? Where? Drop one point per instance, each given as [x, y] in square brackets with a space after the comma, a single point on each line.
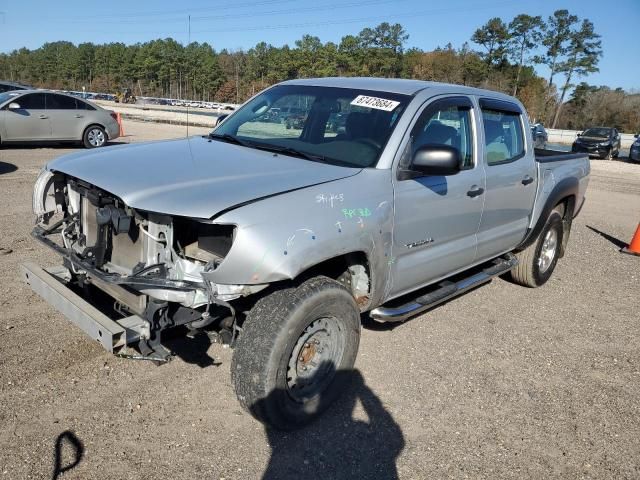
[149, 270]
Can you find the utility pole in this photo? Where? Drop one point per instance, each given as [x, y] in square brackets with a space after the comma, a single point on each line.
[236, 64]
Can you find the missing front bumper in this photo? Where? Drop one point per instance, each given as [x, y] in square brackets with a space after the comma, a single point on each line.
[113, 335]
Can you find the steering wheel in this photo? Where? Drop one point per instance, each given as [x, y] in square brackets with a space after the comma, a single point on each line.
[369, 142]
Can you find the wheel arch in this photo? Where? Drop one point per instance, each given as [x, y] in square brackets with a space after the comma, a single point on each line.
[564, 193]
[352, 269]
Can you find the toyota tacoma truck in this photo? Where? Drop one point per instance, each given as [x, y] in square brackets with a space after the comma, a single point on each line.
[281, 241]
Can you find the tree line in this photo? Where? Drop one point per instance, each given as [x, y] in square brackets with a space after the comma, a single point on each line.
[500, 55]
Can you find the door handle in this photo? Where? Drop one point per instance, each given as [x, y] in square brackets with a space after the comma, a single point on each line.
[43, 117]
[79, 116]
[527, 180]
[475, 191]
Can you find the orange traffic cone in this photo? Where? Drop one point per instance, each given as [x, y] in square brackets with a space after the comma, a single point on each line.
[119, 120]
[634, 246]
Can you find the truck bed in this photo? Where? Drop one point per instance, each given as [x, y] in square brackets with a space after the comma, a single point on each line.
[555, 167]
[548, 156]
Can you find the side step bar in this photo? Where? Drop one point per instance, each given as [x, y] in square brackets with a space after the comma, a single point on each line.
[445, 291]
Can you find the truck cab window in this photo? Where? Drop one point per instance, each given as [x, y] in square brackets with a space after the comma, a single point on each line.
[503, 136]
[449, 125]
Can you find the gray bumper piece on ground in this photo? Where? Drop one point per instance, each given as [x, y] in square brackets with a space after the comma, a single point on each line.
[113, 335]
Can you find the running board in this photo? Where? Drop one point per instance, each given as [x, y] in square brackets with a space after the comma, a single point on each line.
[445, 291]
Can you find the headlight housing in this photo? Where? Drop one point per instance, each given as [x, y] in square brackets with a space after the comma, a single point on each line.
[202, 241]
[44, 201]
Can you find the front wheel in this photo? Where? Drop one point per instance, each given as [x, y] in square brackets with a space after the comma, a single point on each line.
[537, 261]
[94, 137]
[295, 352]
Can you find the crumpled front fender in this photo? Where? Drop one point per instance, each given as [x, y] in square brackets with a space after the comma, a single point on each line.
[280, 237]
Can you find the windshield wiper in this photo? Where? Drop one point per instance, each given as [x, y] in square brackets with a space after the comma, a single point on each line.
[291, 151]
[225, 137]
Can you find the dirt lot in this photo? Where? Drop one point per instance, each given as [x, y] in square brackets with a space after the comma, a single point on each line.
[505, 382]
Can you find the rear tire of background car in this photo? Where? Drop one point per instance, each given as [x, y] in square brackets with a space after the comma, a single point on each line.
[295, 352]
[94, 137]
[537, 261]
[616, 154]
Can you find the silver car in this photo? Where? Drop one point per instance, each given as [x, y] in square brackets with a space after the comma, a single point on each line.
[43, 116]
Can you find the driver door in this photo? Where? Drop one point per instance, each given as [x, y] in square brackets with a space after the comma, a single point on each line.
[437, 217]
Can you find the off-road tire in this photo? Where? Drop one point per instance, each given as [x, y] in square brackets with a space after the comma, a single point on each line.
[528, 273]
[260, 367]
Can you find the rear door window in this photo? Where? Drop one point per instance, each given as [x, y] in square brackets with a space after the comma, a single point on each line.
[83, 105]
[60, 102]
[504, 140]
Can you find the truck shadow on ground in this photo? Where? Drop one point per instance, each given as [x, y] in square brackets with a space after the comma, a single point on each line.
[191, 348]
[337, 446]
[7, 168]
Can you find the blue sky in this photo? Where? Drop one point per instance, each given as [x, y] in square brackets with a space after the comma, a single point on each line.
[243, 23]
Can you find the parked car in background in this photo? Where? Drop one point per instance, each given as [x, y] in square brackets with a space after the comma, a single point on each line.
[540, 136]
[295, 120]
[9, 86]
[603, 142]
[43, 116]
[634, 152]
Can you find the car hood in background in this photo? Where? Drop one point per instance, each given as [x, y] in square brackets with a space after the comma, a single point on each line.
[194, 177]
[592, 139]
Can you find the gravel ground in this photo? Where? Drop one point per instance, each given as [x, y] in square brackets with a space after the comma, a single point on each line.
[505, 382]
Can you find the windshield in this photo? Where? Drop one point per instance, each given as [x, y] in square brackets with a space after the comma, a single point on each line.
[338, 125]
[597, 132]
[7, 95]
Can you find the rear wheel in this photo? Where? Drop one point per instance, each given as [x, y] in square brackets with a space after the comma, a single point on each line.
[538, 261]
[294, 352]
[94, 137]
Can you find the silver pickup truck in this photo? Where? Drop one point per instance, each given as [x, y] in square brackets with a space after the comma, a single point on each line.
[316, 203]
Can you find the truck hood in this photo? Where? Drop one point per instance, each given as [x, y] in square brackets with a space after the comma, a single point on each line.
[194, 177]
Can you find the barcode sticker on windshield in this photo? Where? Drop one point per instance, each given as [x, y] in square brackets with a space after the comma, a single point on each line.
[375, 102]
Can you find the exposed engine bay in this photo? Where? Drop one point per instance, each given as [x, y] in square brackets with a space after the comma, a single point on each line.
[151, 265]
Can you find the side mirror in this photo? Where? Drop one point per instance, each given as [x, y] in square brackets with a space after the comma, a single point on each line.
[221, 119]
[436, 160]
[14, 106]
[636, 135]
[578, 134]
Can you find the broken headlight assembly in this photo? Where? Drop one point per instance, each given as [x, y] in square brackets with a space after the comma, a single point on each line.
[44, 202]
[208, 243]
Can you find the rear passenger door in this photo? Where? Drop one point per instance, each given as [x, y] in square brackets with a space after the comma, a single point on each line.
[437, 217]
[511, 179]
[30, 122]
[65, 119]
